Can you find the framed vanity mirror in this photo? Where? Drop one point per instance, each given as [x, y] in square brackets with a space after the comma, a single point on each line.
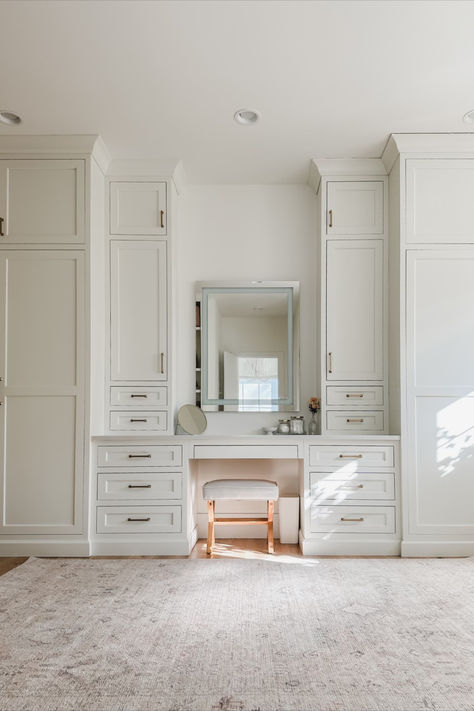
[247, 346]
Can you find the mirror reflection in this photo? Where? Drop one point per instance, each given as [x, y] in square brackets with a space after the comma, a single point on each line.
[248, 345]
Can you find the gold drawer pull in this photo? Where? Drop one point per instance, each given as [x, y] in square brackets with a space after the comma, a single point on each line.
[162, 214]
[139, 456]
[162, 362]
[139, 519]
[351, 456]
[330, 218]
[2, 234]
[138, 395]
[135, 419]
[352, 520]
[330, 363]
[357, 486]
[354, 395]
[139, 486]
[355, 419]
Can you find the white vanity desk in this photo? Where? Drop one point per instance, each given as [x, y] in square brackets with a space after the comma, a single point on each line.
[147, 491]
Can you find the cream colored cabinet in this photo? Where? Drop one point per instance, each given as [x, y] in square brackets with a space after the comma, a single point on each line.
[42, 391]
[41, 201]
[355, 207]
[138, 208]
[354, 310]
[138, 281]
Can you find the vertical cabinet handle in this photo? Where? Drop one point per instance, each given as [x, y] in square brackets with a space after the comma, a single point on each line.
[162, 218]
[330, 218]
[330, 363]
[1, 227]
[162, 362]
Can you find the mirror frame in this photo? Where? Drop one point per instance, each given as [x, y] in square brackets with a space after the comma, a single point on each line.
[291, 288]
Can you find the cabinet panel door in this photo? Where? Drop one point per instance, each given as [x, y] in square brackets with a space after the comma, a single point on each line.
[42, 201]
[42, 417]
[354, 208]
[354, 319]
[137, 208]
[138, 311]
[439, 204]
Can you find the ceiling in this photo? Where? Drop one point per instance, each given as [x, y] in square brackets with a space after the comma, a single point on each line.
[162, 79]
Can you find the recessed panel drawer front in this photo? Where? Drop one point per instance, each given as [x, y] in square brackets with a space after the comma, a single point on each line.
[140, 456]
[350, 487]
[139, 397]
[252, 451]
[349, 421]
[355, 396]
[133, 486]
[351, 457]
[352, 519]
[155, 421]
[138, 519]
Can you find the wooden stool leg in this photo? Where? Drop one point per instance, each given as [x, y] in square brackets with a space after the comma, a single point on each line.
[210, 527]
[270, 506]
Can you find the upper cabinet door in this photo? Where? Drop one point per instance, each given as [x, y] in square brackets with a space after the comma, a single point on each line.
[354, 310]
[354, 207]
[439, 201]
[137, 208]
[138, 309]
[41, 201]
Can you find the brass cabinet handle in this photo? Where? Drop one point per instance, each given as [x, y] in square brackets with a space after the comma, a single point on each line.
[351, 456]
[355, 419]
[139, 486]
[330, 363]
[330, 218]
[354, 520]
[162, 214]
[138, 395]
[135, 419]
[354, 395]
[139, 456]
[1, 227]
[162, 362]
[357, 486]
[139, 519]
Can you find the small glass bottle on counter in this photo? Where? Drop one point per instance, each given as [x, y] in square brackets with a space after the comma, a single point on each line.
[283, 427]
[297, 425]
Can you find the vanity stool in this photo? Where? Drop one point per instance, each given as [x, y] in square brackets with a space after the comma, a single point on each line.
[239, 489]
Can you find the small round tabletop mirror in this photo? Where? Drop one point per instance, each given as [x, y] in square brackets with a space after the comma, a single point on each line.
[191, 419]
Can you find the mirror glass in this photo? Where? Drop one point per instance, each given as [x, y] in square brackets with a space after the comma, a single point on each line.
[248, 347]
[192, 419]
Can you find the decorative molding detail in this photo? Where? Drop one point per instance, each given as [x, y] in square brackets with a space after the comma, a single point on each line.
[312, 546]
[341, 167]
[101, 154]
[453, 144]
[46, 548]
[437, 549]
[180, 177]
[390, 154]
[126, 546]
[314, 177]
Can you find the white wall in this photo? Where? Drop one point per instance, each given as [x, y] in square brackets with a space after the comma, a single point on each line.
[236, 232]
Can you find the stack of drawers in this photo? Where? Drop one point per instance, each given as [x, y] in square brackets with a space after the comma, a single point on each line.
[138, 408]
[353, 489]
[355, 409]
[139, 490]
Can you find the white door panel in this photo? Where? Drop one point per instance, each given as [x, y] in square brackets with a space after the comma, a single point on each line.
[355, 208]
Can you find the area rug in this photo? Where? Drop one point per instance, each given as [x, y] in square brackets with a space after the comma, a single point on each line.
[238, 635]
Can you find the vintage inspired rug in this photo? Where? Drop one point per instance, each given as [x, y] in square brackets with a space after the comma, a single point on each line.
[232, 635]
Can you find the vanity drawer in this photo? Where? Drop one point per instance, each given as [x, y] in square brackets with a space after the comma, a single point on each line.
[139, 421]
[139, 397]
[353, 486]
[353, 395]
[129, 486]
[348, 421]
[144, 456]
[138, 519]
[241, 451]
[352, 519]
[359, 457]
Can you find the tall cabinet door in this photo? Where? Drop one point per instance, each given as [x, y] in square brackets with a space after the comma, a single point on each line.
[138, 311]
[42, 391]
[355, 207]
[354, 301]
[440, 391]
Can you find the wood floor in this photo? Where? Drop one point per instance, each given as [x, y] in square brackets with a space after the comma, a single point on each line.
[248, 548]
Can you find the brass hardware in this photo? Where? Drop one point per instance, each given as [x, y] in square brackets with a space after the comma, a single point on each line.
[135, 419]
[330, 218]
[162, 361]
[354, 395]
[139, 519]
[346, 486]
[139, 456]
[355, 419]
[138, 395]
[330, 363]
[354, 520]
[139, 486]
[351, 456]
[1, 227]
[162, 214]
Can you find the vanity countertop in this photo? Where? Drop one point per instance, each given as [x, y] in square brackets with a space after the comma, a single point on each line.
[245, 439]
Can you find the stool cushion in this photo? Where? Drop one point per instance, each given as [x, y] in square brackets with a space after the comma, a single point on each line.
[240, 489]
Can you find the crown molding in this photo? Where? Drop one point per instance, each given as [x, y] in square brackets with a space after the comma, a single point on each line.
[334, 167]
[455, 144]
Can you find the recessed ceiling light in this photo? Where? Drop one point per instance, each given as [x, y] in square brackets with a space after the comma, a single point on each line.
[9, 118]
[246, 117]
[469, 117]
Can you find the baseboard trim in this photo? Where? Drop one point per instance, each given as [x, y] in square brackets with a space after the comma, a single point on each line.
[192, 539]
[311, 546]
[128, 547]
[45, 548]
[437, 549]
